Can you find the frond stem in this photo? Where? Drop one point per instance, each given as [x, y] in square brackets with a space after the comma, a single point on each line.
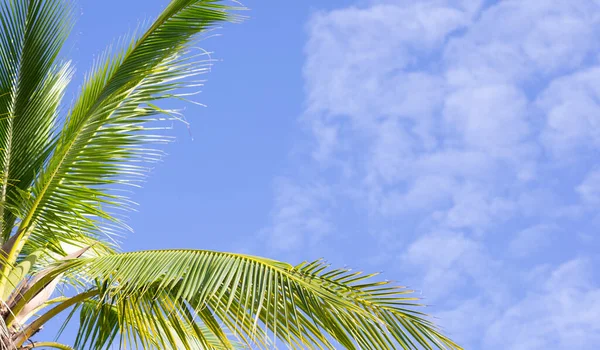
[20, 239]
[35, 325]
[47, 344]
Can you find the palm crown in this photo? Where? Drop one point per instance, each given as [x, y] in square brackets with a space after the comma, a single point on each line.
[62, 169]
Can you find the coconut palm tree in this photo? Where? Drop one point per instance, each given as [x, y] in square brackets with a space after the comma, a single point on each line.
[62, 174]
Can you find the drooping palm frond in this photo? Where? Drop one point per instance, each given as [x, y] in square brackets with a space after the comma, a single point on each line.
[250, 297]
[32, 84]
[144, 321]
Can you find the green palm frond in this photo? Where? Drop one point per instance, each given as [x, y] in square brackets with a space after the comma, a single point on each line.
[107, 130]
[306, 304]
[32, 84]
[156, 322]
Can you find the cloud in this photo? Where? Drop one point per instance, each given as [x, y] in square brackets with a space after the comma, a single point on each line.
[467, 134]
[561, 314]
[449, 261]
[589, 189]
[571, 105]
[300, 217]
[352, 78]
[428, 138]
[533, 239]
[490, 118]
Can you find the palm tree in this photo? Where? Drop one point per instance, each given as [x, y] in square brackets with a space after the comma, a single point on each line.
[62, 175]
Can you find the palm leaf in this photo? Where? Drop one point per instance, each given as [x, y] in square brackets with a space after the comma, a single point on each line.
[143, 322]
[104, 137]
[32, 84]
[306, 304]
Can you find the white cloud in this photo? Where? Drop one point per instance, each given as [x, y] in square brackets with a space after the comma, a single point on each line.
[520, 40]
[533, 239]
[475, 207]
[351, 76]
[424, 193]
[386, 100]
[450, 261]
[490, 118]
[562, 314]
[572, 108]
[589, 189]
[300, 218]
[466, 321]
[472, 133]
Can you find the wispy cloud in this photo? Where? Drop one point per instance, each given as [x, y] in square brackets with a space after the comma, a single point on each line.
[571, 107]
[562, 313]
[299, 219]
[467, 133]
[533, 239]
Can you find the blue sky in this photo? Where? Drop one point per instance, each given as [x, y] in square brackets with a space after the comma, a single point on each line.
[452, 144]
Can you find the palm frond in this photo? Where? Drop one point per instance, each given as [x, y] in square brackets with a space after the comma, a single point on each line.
[32, 84]
[35, 289]
[142, 321]
[102, 145]
[251, 297]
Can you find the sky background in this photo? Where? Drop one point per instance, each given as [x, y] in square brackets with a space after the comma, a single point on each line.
[452, 145]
